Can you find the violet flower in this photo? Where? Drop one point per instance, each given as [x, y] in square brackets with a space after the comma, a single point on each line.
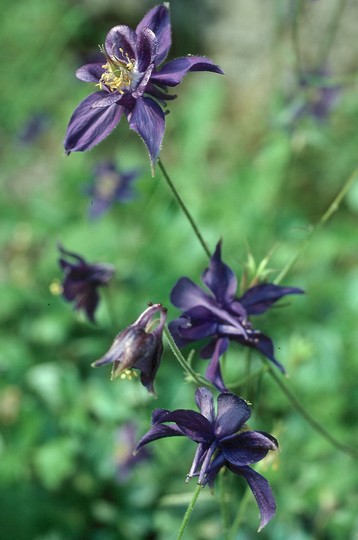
[138, 347]
[221, 316]
[224, 440]
[131, 81]
[110, 186]
[82, 280]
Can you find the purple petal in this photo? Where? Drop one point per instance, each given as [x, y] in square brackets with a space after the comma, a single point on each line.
[247, 447]
[90, 72]
[205, 402]
[173, 72]
[261, 490]
[107, 100]
[186, 295]
[232, 414]
[220, 279]
[158, 432]
[263, 344]
[158, 20]
[213, 372]
[193, 424]
[148, 120]
[121, 42]
[259, 298]
[146, 49]
[89, 126]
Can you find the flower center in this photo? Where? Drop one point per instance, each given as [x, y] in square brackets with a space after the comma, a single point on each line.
[107, 185]
[118, 74]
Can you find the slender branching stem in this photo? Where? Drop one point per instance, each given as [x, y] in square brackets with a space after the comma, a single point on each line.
[240, 515]
[333, 207]
[195, 377]
[188, 512]
[311, 421]
[184, 208]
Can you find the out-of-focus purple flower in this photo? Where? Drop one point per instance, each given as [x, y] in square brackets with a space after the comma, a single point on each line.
[221, 316]
[124, 458]
[81, 281]
[224, 440]
[316, 97]
[138, 346]
[36, 125]
[130, 81]
[110, 186]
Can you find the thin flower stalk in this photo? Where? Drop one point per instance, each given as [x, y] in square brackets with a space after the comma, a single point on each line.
[333, 207]
[189, 512]
[184, 208]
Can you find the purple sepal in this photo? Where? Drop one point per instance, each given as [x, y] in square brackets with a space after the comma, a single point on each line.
[88, 126]
[147, 119]
[259, 298]
[173, 72]
[158, 20]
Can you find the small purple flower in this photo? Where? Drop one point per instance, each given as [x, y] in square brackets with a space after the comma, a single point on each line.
[110, 185]
[138, 347]
[124, 458]
[82, 280]
[221, 316]
[316, 96]
[224, 440]
[36, 125]
[130, 81]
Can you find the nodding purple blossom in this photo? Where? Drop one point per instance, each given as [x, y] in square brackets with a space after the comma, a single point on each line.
[82, 280]
[110, 186]
[220, 316]
[224, 440]
[138, 346]
[131, 81]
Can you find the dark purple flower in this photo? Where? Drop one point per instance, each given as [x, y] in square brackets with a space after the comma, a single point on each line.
[316, 96]
[124, 458]
[221, 316]
[110, 185]
[138, 346]
[224, 440]
[130, 81]
[35, 126]
[82, 280]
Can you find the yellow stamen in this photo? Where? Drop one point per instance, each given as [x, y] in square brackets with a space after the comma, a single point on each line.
[118, 74]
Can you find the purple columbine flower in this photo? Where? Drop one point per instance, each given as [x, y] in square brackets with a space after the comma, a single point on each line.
[139, 346]
[81, 281]
[220, 316]
[110, 185]
[224, 440]
[131, 81]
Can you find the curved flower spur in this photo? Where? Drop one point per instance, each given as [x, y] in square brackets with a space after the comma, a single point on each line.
[138, 346]
[131, 82]
[224, 440]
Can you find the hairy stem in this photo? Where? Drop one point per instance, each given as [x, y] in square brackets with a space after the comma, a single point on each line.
[198, 379]
[188, 512]
[184, 208]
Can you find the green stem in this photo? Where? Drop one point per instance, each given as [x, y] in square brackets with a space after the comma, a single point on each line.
[224, 505]
[295, 37]
[188, 512]
[198, 379]
[184, 208]
[311, 421]
[333, 207]
[237, 385]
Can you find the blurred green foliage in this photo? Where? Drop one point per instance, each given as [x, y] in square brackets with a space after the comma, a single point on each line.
[247, 177]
